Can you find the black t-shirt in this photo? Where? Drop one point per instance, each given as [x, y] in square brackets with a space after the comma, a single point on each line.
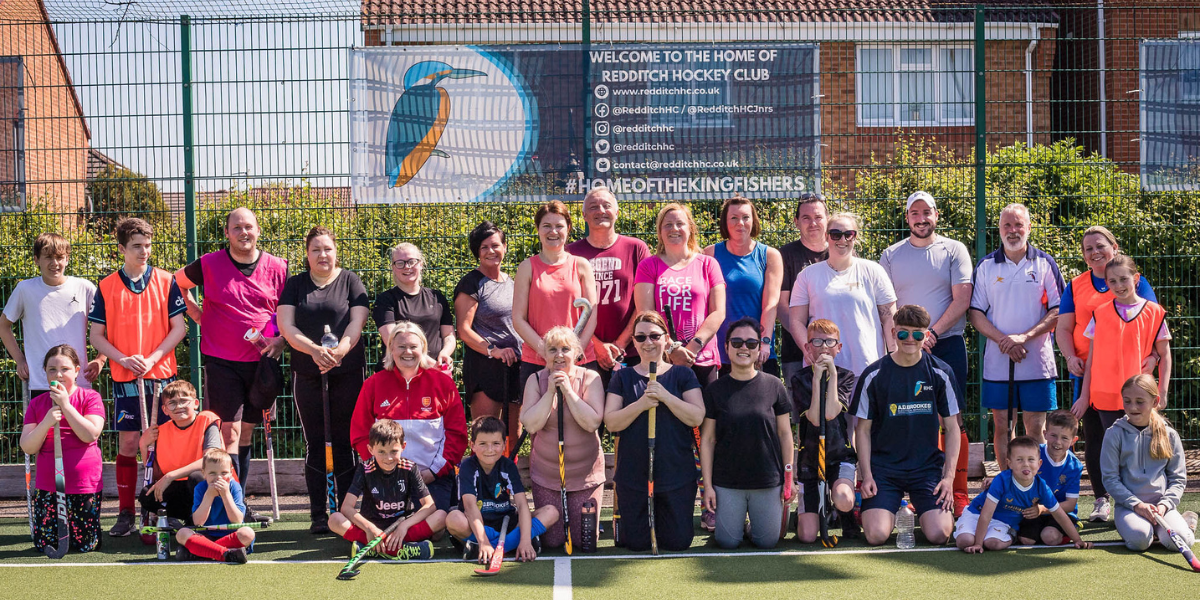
[674, 463]
[746, 456]
[905, 406]
[837, 442]
[796, 256]
[386, 497]
[427, 308]
[493, 491]
[317, 307]
[195, 273]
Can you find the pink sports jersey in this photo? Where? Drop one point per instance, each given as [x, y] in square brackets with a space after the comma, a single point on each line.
[686, 292]
[234, 303]
[82, 462]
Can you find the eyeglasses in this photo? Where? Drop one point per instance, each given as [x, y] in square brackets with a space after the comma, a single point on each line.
[916, 335]
[641, 337]
[739, 342]
[406, 264]
[823, 343]
[178, 403]
[837, 235]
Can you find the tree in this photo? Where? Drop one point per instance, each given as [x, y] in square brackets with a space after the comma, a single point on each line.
[118, 192]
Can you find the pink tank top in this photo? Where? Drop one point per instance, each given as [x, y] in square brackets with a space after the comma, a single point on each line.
[553, 290]
[234, 303]
[582, 454]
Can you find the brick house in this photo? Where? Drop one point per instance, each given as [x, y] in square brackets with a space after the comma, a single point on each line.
[44, 136]
[1097, 87]
[867, 48]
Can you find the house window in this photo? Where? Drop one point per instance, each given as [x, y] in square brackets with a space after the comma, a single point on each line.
[1170, 114]
[12, 134]
[915, 86]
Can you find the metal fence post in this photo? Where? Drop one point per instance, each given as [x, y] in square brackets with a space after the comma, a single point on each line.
[189, 179]
[980, 183]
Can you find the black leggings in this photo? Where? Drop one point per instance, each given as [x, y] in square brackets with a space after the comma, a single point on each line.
[343, 394]
[1095, 423]
[178, 498]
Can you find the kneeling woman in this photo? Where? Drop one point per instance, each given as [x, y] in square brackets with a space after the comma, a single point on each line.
[580, 467]
[746, 444]
[675, 393]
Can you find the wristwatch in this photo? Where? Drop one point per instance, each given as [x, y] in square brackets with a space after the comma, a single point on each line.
[490, 348]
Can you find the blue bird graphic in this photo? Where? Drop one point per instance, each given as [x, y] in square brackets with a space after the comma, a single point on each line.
[419, 118]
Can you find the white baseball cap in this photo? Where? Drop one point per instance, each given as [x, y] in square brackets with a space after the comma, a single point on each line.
[920, 195]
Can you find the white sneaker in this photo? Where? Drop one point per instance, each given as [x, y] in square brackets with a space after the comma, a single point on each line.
[1101, 510]
[1190, 517]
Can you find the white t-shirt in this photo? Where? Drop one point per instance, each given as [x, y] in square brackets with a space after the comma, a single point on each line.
[851, 299]
[49, 316]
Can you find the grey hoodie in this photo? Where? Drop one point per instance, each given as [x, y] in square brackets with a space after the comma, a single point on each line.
[1132, 476]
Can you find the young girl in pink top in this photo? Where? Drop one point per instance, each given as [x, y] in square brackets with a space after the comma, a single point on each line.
[80, 415]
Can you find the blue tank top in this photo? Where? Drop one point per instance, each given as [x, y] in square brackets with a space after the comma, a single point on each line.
[744, 277]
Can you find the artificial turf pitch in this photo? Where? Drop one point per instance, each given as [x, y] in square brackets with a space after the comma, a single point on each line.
[290, 563]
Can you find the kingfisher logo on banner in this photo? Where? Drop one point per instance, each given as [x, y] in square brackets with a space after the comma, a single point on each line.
[437, 125]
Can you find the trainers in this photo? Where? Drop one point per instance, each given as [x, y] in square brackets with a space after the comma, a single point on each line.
[708, 520]
[1101, 510]
[319, 525]
[410, 551]
[470, 551]
[182, 554]
[536, 542]
[253, 516]
[235, 556]
[1190, 517]
[850, 528]
[124, 525]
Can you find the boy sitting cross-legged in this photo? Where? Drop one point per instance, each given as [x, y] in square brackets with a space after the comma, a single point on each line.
[491, 488]
[391, 488]
[1061, 470]
[988, 521]
[218, 501]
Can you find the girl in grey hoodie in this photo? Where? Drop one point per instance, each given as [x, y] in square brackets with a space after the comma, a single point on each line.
[1143, 468]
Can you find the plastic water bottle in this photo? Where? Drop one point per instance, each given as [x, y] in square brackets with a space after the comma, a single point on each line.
[329, 340]
[905, 538]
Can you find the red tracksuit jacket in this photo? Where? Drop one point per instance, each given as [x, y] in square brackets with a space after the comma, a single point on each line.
[428, 407]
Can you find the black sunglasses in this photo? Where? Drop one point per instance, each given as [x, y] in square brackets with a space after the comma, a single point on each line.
[641, 337]
[837, 234]
[916, 335]
[739, 342]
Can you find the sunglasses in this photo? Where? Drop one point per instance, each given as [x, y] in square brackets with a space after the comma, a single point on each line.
[641, 337]
[739, 342]
[916, 335]
[406, 264]
[837, 234]
[823, 343]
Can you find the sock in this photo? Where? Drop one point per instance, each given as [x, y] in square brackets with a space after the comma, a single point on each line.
[243, 457]
[354, 534]
[418, 532]
[492, 535]
[513, 539]
[126, 482]
[230, 541]
[960, 472]
[204, 548]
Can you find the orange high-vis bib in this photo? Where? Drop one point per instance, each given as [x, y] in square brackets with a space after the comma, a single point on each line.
[1086, 298]
[177, 447]
[138, 323]
[1121, 346]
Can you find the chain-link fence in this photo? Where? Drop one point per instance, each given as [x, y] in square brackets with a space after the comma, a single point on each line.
[1088, 113]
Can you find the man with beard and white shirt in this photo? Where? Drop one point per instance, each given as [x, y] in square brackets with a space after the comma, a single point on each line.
[1015, 306]
[934, 272]
[811, 219]
[614, 261]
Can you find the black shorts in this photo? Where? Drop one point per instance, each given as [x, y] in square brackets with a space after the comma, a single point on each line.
[490, 376]
[674, 513]
[444, 491]
[529, 369]
[1032, 528]
[227, 386]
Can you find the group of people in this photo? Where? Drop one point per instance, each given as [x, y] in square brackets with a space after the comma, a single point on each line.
[690, 330]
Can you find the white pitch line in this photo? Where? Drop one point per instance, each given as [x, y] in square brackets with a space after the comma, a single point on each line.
[562, 578]
[556, 559]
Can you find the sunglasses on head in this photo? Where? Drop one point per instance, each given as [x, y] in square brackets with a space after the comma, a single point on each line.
[739, 342]
[641, 337]
[823, 343]
[837, 234]
[916, 335]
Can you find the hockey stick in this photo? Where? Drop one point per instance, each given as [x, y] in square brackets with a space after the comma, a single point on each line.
[350, 571]
[651, 432]
[493, 567]
[562, 468]
[824, 505]
[60, 494]
[271, 464]
[1012, 400]
[155, 529]
[670, 319]
[1180, 544]
[28, 486]
[162, 541]
[147, 464]
[330, 492]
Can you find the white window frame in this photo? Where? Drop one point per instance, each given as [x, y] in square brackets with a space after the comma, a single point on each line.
[938, 93]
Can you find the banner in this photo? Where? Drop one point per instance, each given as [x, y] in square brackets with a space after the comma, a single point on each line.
[533, 122]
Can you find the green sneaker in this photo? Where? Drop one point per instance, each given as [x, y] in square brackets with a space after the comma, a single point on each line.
[410, 551]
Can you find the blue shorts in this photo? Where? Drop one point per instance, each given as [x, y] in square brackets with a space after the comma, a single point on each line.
[127, 408]
[1030, 396]
[892, 486]
[444, 491]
